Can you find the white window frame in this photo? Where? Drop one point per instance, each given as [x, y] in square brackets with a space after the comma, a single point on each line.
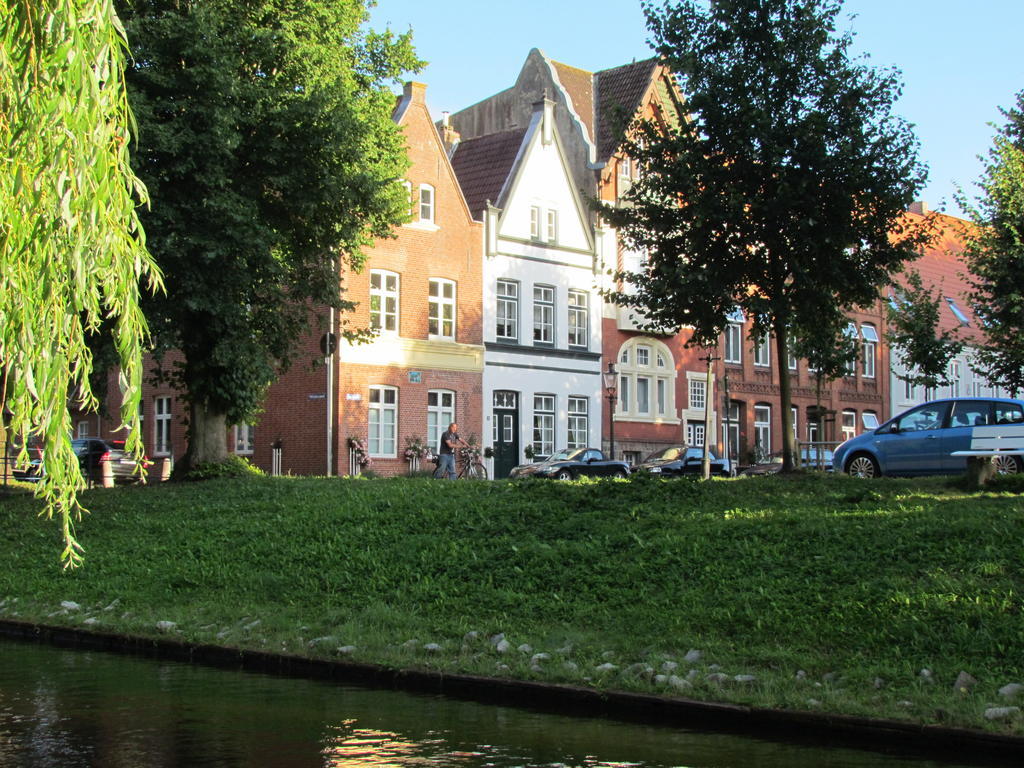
[544, 315]
[244, 439]
[428, 200]
[382, 421]
[551, 225]
[643, 359]
[543, 424]
[763, 351]
[578, 411]
[849, 424]
[870, 350]
[695, 434]
[579, 319]
[698, 394]
[734, 343]
[507, 311]
[869, 419]
[535, 222]
[763, 428]
[384, 318]
[441, 308]
[795, 418]
[440, 413]
[954, 378]
[161, 425]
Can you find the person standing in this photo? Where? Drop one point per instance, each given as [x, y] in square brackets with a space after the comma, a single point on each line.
[450, 440]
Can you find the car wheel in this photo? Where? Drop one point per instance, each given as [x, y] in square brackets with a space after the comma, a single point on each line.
[1006, 465]
[863, 465]
[564, 474]
[619, 474]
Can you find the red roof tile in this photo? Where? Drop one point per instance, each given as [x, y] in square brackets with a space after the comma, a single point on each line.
[579, 87]
[619, 90]
[483, 164]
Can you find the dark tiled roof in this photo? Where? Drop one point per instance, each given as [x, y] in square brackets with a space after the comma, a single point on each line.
[619, 89]
[579, 85]
[483, 164]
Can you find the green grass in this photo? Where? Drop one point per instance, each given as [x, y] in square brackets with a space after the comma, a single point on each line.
[845, 580]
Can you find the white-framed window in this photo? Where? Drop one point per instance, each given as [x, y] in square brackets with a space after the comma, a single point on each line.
[794, 416]
[849, 424]
[870, 349]
[552, 226]
[579, 422]
[440, 413]
[909, 390]
[384, 301]
[731, 430]
[954, 378]
[543, 425]
[643, 395]
[579, 319]
[812, 430]
[82, 429]
[762, 429]
[441, 301]
[625, 167]
[535, 222]
[698, 394]
[382, 420]
[734, 343]
[695, 434]
[507, 311]
[161, 426]
[869, 419]
[245, 439]
[762, 351]
[930, 394]
[646, 380]
[426, 203]
[543, 314]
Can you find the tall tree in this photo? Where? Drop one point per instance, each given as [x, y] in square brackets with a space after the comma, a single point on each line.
[782, 191]
[269, 151]
[995, 255]
[72, 253]
[914, 335]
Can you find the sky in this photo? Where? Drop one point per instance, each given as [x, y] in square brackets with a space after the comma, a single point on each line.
[960, 60]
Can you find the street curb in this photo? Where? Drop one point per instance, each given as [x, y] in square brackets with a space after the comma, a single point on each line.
[822, 729]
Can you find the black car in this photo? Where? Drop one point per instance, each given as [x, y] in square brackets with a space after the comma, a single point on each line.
[572, 463]
[682, 460]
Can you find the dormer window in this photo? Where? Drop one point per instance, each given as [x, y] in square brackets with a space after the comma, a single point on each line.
[426, 203]
[964, 320]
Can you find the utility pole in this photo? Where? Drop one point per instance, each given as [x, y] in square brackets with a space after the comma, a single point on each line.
[706, 461]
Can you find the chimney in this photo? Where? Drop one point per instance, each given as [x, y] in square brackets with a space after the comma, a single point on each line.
[547, 123]
[919, 207]
[449, 136]
[416, 92]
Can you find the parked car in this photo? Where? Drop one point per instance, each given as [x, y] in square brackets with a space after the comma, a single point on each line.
[682, 460]
[811, 457]
[920, 441]
[93, 453]
[33, 472]
[572, 463]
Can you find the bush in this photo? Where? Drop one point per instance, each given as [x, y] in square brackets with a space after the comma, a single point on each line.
[233, 466]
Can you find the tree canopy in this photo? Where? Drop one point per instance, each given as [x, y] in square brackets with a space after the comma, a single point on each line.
[913, 334]
[72, 252]
[267, 145]
[782, 191]
[995, 255]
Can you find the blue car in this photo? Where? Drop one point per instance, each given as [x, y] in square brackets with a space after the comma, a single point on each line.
[920, 441]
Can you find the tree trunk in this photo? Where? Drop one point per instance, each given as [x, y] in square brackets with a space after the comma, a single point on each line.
[785, 397]
[207, 438]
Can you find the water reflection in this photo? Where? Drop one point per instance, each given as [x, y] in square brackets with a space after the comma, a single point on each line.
[71, 709]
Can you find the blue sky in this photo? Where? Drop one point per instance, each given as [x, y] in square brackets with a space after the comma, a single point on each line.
[960, 60]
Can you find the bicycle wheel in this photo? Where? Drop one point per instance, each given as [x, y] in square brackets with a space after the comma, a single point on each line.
[476, 472]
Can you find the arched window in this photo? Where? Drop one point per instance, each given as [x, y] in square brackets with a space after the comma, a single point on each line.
[647, 381]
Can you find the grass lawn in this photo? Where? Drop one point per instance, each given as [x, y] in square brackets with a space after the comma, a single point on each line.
[816, 592]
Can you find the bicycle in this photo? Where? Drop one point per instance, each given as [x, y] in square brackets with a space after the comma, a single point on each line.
[468, 466]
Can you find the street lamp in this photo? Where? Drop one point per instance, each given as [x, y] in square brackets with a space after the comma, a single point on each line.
[611, 391]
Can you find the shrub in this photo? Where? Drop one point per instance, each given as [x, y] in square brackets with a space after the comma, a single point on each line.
[233, 466]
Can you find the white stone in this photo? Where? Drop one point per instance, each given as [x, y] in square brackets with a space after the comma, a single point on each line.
[471, 636]
[660, 679]
[964, 683]
[166, 626]
[537, 658]
[608, 655]
[1001, 713]
[813, 703]
[669, 666]
[495, 639]
[746, 679]
[432, 648]
[113, 605]
[571, 665]
[717, 678]
[345, 650]
[318, 640]
[525, 648]
[503, 646]
[1010, 690]
[693, 656]
[92, 621]
[70, 605]
[251, 625]
[679, 683]
[606, 667]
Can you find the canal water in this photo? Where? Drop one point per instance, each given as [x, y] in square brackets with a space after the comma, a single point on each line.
[73, 708]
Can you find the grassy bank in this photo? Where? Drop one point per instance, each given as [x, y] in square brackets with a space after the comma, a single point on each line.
[831, 594]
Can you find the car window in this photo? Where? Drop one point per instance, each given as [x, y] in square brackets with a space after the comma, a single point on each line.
[970, 413]
[929, 416]
[1008, 413]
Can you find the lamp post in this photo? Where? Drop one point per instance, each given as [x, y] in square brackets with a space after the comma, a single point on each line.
[611, 391]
